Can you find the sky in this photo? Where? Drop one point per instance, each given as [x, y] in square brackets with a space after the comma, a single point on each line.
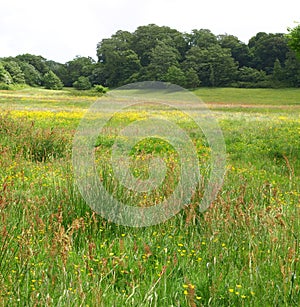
[59, 30]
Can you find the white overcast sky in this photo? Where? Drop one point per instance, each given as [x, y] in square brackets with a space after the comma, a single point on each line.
[61, 29]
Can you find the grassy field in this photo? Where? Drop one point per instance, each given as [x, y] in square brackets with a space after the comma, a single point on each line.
[243, 251]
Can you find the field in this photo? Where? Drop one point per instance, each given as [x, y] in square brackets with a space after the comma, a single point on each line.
[243, 251]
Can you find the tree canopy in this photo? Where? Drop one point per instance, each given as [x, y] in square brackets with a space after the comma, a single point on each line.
[161, 53]
[294, 39]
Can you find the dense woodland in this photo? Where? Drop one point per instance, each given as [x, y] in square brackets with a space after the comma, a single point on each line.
[199, 58]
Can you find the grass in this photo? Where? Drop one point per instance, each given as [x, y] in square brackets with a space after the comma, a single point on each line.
[243, 251]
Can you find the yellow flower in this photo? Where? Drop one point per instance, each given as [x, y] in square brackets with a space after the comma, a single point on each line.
[231, 290]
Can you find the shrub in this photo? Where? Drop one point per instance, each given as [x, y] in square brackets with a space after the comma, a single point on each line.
[100, 89]
[83, 83]
[4, 86]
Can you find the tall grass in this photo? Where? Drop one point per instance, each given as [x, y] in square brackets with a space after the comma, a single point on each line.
[243, 251]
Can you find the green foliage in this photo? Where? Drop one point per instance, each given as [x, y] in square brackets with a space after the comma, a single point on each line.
[83, 83]
[248, 74]
[294, 39]
[214, 65]
[52, 82]
[37, 61]
[202, 38]
[78, 67]
[239, 50]
[162, 57]
[14, 70]
[4, 86]
[118, 61]
[192, 79]
[175, 75]
[160, 53]
[292, 70]
[277, 72]
[100, 89]
[31, 75]
[5, 77]
[266, 48]
[146, 38]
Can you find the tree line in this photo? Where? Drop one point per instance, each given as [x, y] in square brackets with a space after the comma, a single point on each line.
[160, 53]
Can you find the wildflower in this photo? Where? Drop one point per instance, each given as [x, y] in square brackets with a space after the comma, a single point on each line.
[231, 290]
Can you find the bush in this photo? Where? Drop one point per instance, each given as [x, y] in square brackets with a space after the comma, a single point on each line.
[52, 82]
[83, 83]
[100, 89]
[4, 86]
[251, 75]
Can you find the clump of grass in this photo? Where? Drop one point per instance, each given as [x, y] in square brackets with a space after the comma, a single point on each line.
[36, 144]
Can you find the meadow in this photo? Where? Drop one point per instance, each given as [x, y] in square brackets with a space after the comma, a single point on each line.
[243, 251]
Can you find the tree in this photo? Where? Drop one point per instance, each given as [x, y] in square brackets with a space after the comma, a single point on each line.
[214, 65]
[294, 39]
[31, 75]
[78, 67]
[14, 70]
[99, 74]
[37, 61]
[83, 83]
[192, 79]
[239, 50]
[59, 69]
[175, 75]
[4, 75]
[202, 38]
[277, 75]
[292, 70]
[162, 57]
[117, 61]
[146, 38]
[251, 75]
[266, 49]
[51, 81]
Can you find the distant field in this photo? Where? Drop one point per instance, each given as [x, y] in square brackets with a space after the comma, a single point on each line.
[289, 96]
[243, 251]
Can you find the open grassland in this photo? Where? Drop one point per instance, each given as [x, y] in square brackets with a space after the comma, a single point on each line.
[243, 251]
